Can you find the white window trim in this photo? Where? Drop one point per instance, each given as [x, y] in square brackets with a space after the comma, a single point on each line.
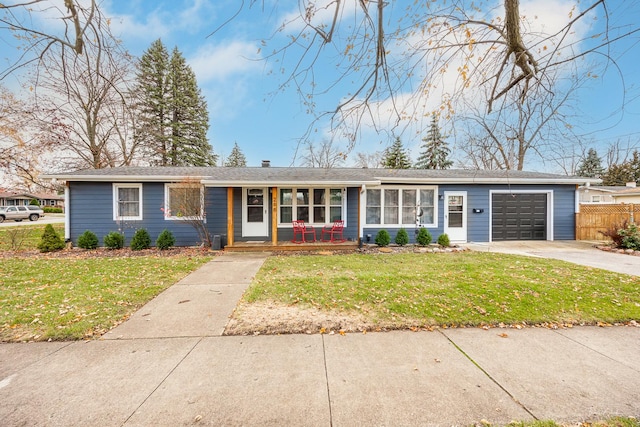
[327, 205]
[167, 213]
[434, 188]
[116, 217]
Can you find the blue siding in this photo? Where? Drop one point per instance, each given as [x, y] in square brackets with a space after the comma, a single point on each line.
[91, 208]
[216, 209]
[564, 218]
[478, 224]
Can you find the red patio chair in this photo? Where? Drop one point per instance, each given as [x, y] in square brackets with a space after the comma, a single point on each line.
[299, 228]
[334, 231]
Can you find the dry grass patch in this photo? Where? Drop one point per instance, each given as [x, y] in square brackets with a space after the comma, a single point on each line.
[386, 291]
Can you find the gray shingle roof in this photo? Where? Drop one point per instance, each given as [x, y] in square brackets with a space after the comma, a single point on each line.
[224, 176]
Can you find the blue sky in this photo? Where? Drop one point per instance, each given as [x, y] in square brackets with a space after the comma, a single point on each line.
[239, 85]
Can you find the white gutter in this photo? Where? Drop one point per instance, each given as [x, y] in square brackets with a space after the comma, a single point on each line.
[269, 183]
[529, 181]
[125, 178]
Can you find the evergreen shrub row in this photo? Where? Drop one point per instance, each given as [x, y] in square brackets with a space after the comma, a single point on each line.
[383, 238]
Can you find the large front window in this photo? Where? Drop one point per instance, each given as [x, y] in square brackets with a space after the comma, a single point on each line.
[311, 205]
[401, 206]
[127, 202]
[183, 201]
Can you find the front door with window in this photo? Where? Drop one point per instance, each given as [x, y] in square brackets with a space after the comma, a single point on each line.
[255, 213]
[455, 215]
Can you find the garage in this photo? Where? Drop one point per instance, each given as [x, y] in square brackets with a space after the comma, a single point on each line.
[519, 216]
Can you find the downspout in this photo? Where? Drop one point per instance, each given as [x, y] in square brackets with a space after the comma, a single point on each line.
[67, 211]
[361, 212]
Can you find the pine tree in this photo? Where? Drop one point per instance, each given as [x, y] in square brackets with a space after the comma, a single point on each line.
[236, 159]
[591, 166]
[395, 157]
[435, 149]
[172, 111]
[153, 102]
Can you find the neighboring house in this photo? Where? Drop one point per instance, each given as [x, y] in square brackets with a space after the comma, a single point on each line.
[630, 194]
[598, 193]
[23, 199]
[259, 204]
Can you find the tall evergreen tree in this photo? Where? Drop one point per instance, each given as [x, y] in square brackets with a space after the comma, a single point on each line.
[236, 159]
[591, 166]
[435, 149]
[396, 157]
[172, 112]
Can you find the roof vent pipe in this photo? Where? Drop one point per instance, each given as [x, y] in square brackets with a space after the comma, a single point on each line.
[266, 163]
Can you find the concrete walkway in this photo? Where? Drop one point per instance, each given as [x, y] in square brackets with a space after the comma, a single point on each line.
[169, 366]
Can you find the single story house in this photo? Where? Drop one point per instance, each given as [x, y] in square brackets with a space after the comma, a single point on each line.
[598, 193]
[631, 194]
[258, 204]
[23, 199]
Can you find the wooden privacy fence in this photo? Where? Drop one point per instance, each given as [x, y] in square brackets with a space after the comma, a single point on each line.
[594, 218]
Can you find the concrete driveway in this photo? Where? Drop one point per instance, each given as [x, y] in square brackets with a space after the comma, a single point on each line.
[575, 251]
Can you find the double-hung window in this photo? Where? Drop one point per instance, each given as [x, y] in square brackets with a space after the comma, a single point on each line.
[401, 206]
[127, 202]
[183, 201]
[311, 205]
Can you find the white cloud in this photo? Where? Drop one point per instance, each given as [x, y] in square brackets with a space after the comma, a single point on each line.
[227, 60]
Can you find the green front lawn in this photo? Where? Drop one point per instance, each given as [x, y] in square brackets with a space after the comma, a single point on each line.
[75, 298]
[457, 289]
[24, 237]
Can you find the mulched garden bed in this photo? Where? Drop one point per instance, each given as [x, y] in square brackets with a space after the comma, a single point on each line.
[110, 253]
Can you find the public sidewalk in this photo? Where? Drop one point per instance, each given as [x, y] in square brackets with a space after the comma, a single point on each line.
[175, 369]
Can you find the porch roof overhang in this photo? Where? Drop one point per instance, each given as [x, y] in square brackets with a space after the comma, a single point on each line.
[310, 177]
[297, 183]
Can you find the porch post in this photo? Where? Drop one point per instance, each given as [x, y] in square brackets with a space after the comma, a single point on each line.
[274, 216]
[230, 226]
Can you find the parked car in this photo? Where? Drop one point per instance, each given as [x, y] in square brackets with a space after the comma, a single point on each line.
[36, 209]
[18, 213]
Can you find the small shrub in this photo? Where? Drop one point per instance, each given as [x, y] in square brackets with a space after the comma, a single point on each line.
[141, 240]
[383, 238]
[114, 240]
[49, 209]
[34, 202]
[16, 237]
[443, 240]
[424, 237]
[630, 237]
[402, 237]
[50, 240]
[613, 233]
[165, 240]
[88, 240]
